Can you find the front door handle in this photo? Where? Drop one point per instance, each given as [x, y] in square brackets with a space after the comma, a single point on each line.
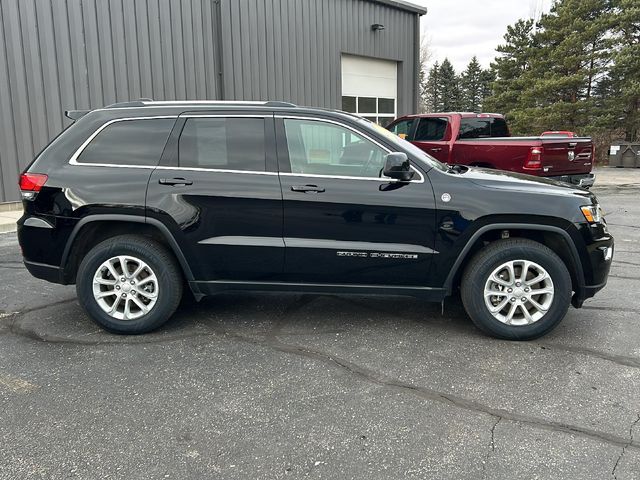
[307, 188]
[437, 149]
[175, 181]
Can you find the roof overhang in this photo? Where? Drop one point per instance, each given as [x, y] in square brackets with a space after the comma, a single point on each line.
[402, 5]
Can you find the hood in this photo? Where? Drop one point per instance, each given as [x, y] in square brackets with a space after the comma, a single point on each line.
[517, 182]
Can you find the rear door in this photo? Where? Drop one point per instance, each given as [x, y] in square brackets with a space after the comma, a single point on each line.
[217, 189]
[343, 222]
[430, 135]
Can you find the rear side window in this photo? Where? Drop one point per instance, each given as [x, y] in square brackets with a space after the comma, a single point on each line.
[483, 128]
[431, 129]
[129, 142]
[223, 143]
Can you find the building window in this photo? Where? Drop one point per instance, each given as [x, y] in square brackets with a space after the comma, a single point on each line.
[377, 109]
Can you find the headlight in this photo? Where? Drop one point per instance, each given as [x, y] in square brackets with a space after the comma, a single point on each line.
[593, 213]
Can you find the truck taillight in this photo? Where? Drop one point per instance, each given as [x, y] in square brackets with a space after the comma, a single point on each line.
[31, 183]
[534, 160]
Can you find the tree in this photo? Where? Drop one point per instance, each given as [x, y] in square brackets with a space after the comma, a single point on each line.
[425, 56]
[621, 88]
[449, 88]
[431, 91]
[514, 59]
[471, 87]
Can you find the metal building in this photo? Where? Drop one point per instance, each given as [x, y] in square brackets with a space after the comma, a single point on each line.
[358, 55]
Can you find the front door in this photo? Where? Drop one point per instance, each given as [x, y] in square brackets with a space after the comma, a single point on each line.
[429, 135]
[343, 222]
[217, 189]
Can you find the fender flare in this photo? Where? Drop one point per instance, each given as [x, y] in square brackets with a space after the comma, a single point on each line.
[577, 263]
[132, 219]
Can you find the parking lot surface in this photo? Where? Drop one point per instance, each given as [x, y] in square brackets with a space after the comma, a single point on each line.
[322, 386]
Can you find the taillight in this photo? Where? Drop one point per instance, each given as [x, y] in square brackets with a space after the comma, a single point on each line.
[534, 160]
[31, 184]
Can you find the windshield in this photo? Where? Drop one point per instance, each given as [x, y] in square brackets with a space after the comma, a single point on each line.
[403, 145]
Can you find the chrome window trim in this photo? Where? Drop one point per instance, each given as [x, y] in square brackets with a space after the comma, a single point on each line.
[74, 158]
[345, 177]
[217, 170]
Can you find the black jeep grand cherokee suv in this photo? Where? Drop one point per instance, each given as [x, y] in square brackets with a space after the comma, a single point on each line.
[136, 200]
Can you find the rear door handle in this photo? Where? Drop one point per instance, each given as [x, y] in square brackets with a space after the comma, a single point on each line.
[438, 149]
[307, 188]
[175, 181]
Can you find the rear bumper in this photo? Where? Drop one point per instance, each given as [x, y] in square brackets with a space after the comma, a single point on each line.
[50, 273]
[585, 180]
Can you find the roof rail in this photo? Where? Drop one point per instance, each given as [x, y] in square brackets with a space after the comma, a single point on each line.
[75, 114]
[278, 103]
[135, 103]
[146, 101]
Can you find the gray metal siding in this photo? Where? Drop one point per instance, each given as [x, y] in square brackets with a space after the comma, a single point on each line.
[78, 54]
[57, 55]
[290, 49]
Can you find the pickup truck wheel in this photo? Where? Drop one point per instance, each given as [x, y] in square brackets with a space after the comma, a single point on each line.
[129, 284]
[516, 289]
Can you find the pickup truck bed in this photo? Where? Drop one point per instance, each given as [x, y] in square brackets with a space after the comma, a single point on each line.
[484, 140]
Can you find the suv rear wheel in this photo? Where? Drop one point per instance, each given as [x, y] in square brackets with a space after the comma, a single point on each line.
[516, 289]
[129, 284]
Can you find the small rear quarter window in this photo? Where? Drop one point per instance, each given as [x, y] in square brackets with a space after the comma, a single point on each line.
[138, 142]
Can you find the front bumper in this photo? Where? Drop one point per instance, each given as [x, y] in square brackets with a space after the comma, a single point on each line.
[596, 261]
[584, 180]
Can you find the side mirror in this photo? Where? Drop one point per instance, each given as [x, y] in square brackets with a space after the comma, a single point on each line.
[397, 165]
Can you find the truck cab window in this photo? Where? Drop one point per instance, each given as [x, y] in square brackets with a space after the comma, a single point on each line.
[483, 128]
[431, 129]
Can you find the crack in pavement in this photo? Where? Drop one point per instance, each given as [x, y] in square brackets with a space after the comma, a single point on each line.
[627, 263]
[592, 352]
[492, 448]
[270, 340]
[624, 448]
[612, 309]
[426, 393]
[624, 277]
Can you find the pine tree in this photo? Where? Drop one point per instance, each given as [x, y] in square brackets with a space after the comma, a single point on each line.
[449, 88]
[431, 92]
[514, 60]
[487, 79]
[622, 85]
[471, 87]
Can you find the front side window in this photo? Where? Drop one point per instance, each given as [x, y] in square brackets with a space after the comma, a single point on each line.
[223, 143]
[321, 148]
[137, 142]
[431, 129]
[402, 128]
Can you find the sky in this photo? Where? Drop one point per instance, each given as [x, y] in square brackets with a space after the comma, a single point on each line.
[459, 29]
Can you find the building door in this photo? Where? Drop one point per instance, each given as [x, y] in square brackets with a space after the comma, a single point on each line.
[370, 88]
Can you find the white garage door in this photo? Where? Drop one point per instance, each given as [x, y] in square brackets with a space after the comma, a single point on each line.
[370, 88]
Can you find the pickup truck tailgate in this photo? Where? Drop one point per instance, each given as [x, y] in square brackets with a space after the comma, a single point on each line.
[567, 156]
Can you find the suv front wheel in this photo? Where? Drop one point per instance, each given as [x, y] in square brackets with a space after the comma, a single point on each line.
[516, 289]
[129, 284]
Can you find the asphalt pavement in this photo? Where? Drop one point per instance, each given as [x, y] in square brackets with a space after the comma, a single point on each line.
[321, 386]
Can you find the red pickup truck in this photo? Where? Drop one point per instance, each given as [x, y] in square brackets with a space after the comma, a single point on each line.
[483, 140]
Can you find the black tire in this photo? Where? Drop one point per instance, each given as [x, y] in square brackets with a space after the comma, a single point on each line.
[158, 258]
[493, 256]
